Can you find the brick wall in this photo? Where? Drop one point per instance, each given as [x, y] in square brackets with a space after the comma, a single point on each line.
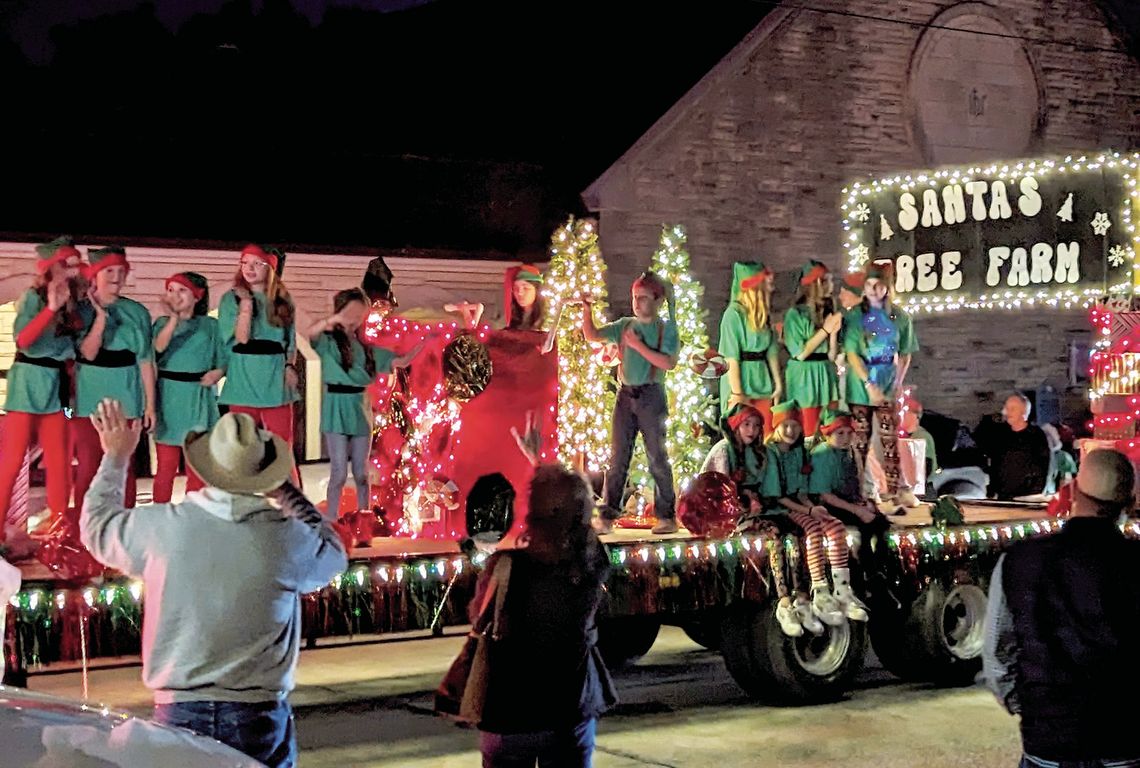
[754, 165]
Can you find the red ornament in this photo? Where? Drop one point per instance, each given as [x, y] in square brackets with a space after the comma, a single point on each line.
[710, 507]
[66, 557]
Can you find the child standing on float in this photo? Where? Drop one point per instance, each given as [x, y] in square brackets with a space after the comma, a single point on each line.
[524, 306]
[879, 340]
[785, 489]
[190, 356]
[811, 327]
[256, 320]
[116, 360]
[749, 346]
[741, 456]
[47, 323]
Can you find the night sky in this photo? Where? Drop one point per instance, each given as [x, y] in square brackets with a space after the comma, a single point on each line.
[467, 124]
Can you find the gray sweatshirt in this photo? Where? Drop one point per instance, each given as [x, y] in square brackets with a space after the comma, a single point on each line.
[223, 576]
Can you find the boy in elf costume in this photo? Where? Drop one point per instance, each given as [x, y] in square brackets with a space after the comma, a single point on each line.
[648, 346]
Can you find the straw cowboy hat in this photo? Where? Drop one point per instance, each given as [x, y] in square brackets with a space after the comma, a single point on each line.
[238, 457]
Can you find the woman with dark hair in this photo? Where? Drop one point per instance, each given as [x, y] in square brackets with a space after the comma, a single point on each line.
[810, 329]
[190, 357]
[348, 367]
[523, 302]
[47, 323]
[548, 683]
[256, 319]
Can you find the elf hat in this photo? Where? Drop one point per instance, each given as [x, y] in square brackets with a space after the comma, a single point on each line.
[526, 272]
[192, 281]
[101, 258]
[747, 275]
[277, 259]
[812, 271]
[742, 412]
[831, 420]
[260, 253]
[853, 283]
[785, 411]
[881, 270]
[57, 251]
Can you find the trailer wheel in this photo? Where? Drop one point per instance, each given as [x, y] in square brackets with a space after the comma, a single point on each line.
[704, 631]
[938, 639]
[809, 669]
[626, 639]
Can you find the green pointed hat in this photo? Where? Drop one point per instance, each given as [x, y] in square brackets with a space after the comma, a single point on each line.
[831, 420]
[811, 271]
[109, 256]
[785, 411]
[59, 250]
[752, 271]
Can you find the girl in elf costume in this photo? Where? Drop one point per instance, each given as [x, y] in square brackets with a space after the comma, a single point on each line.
[749, 346]
[190, 356]
[878, 340]
[524, 308]
[741, 456]
[348, 367]
[811, 327]
[785, 490]
[835, 483]
[256, 319]
[116, 359]
[47, 323]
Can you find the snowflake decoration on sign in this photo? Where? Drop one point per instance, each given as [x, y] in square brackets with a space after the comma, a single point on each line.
[861, 213]
[1100, 223]
[1117, 255]
[860, 254]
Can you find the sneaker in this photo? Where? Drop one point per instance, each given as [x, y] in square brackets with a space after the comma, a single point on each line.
[603, 525]
[807, 618]
[666, 525]
[827, 608]
[907, 498]
[788, 618]
[853, 607]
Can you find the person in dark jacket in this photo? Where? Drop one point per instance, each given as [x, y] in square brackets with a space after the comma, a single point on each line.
[1063, 626]
[1018, 452]
[547, 683]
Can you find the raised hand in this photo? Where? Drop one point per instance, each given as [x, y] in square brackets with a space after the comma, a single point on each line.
[530, 441]
[832, 323]
[118, 435]
[57, 295]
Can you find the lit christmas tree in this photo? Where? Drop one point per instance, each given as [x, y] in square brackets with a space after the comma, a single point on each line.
[690, 404]
[585, 402]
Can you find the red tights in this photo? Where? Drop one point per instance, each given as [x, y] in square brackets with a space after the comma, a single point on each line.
[169, 456]
[51, 431]
[279, 421]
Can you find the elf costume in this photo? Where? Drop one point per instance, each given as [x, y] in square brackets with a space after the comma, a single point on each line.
[755, 350]
[39, 386]
[812, 382]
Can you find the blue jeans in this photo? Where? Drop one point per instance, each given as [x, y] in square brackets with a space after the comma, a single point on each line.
[339, 448]
[1029, 761]
[569, 748]
[264, 730]
[640, 409]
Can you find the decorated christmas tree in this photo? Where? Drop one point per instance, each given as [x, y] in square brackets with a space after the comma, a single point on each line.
[585, 402]
[690, 404]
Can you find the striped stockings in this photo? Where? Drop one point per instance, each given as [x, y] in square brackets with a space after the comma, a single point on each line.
[816, 526]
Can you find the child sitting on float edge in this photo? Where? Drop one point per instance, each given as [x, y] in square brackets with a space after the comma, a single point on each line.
[648, 346]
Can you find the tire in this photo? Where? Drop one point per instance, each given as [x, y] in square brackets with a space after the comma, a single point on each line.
[776, 668]
[624, 640]
[704, 631]
[938, 638]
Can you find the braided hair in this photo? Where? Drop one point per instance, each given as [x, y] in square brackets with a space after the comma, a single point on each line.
[341, 338]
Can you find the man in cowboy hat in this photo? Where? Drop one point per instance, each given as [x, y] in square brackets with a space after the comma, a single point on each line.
[1063, 626]
[223, 573]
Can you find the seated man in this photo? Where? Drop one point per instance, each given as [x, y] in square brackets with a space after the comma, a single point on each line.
[1018, 452]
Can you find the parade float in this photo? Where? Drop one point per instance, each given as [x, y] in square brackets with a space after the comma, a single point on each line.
[449, 482]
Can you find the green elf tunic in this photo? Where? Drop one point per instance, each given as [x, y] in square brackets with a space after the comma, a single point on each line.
[876, 335]
[811, 383]
[834, 471]
[659, 335]
[755, 350]
[35, 388]
[255, 371]
[115, 371]
[347, 412]
[784, 473]
[184, 405]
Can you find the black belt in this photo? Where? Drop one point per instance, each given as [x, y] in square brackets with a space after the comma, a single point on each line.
[344, 389]
[753, 357]
[59, 365]
[181, 375]
[259, 347]
[112, 358]
[816, 357]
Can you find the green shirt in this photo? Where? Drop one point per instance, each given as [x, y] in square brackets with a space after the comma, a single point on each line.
[737, 336]
[35, 388]
[348, 413]
[659, 335]
[185, 406]
[834, 471]
[811, 383]
[784, 472]
[931, 454]
[257, 381]
[854, 339]
[127, 328]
